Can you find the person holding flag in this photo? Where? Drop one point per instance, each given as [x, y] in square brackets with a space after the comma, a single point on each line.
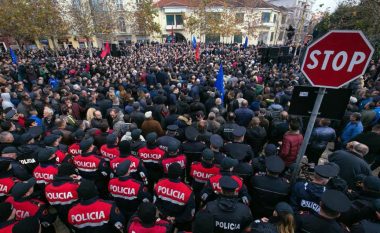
[219, 84]
[245, 43]
[13, 56]
[106, 50]
[194, 42]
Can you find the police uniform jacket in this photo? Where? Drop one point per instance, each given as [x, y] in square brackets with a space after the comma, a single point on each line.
[306, 196]
[313, 223]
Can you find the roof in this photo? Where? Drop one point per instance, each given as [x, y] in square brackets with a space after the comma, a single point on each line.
[233, 3]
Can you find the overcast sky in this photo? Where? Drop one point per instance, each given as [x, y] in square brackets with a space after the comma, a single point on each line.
[331, 4]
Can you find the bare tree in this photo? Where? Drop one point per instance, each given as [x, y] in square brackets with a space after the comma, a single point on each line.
[143, 18]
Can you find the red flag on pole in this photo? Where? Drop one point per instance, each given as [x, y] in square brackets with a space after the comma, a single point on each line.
[197, 53]
[106, 50]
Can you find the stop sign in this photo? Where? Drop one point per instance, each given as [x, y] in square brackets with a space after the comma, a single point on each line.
[337, 58]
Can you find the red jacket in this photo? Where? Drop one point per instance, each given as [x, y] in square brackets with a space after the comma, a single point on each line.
[291, 143]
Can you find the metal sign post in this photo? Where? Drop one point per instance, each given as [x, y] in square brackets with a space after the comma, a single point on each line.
[309, 130]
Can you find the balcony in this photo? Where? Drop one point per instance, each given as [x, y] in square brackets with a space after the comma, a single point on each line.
[174, 27]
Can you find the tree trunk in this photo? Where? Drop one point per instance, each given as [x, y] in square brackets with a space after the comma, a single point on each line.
[55, 47]
[89, 43]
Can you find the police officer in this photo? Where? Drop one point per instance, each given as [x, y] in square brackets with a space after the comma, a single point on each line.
[61, 147]
[175, 199]
[16, 169]
[212, 189]
[52, 141]
[7, 217]
[126, 191]
[169, 139]
[306, 195]
[228, 128]
[258, 163]
[191, 147]
[26, 206]
[137, 169]
[30, 225]
[110, 150]
[62, 192]
[152, 156]
[136, 142]
[92, 166]
[216, 142]
[47, 169]
[229, 214]
[92, 214]
[269, 189]
[332, 203]
[74, 149]
[201, 172]
[238, 149]
[370, 225]
[172, 156]
[145, 221]
[28, 152]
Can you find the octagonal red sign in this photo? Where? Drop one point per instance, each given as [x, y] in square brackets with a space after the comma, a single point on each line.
[337, 58]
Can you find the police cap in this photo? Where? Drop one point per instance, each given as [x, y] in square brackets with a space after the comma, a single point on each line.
[327, 170]
[207, 154]
[227, 183]
[123, 168]
[85, 144]
[174, 170]
[151, 137]
[191, 133]
[4, 165]
[372, 183]
[284, 207]
[270, 149]
[274, 164]
[335, 201]
[5, 211]
[10, 114]
[9, 150]
[26, 137]
[147, 212]
[45, 154]
[20, 188]
[30, 225]
[111, 139]
[87, 190]
[79, 134]
[125, 148]
[239, 131]
[203, 222]
[216, 141]
[35, 131]
[50, 139]
[66, 169]
[228, 163]
[135, 134]
[173, 147]
[172, 127]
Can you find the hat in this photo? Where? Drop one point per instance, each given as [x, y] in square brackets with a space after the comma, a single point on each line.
[191, 133]
[151, 137]
[4, 165]
[87, 190]
[228, 163]
[372, 183]
[50, 139]
[85, 144]
[79, 134]
[337, 183]
[207, 154]
[111, 139]
[135, 134]
[216, 141]
[20, 188]
[125, 147]
[173, 147]
[335, 201]
[57, 132]
[203, 222]
[9, 150]
[26, 137]
[66, 169]
[5, 211]
[30, 225]
[148, 114]
[45, 154]
[239, 131]
[174, 170]
[136, 105]
[376, 205]
[284, 207]
[227, 183]
[10, 114]
[123, 168]
[274, 164]
[327, 170]
[147, 212]
[35, 131]
[270, 149]
[172, 127]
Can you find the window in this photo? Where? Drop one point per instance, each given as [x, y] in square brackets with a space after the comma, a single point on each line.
[239, 17]
[119, 4]
[238, 38]
[265, 17]
[283, 19]
[274, 18]
[271, 36]
[178, 20]
[281, 36]
[121, 25]
[169, 19]
[211, 38]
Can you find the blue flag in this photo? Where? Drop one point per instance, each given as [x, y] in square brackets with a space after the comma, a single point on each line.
[194, 42]
[13, 56]
[245, 42]
[219, 84]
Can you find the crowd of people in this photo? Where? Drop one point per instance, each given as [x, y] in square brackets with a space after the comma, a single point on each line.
[144, 142]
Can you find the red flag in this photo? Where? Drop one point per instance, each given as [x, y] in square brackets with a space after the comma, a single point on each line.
[87, 67]
[197, 53]
[105, 51]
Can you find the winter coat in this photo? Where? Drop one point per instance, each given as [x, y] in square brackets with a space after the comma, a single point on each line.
[291, 143]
